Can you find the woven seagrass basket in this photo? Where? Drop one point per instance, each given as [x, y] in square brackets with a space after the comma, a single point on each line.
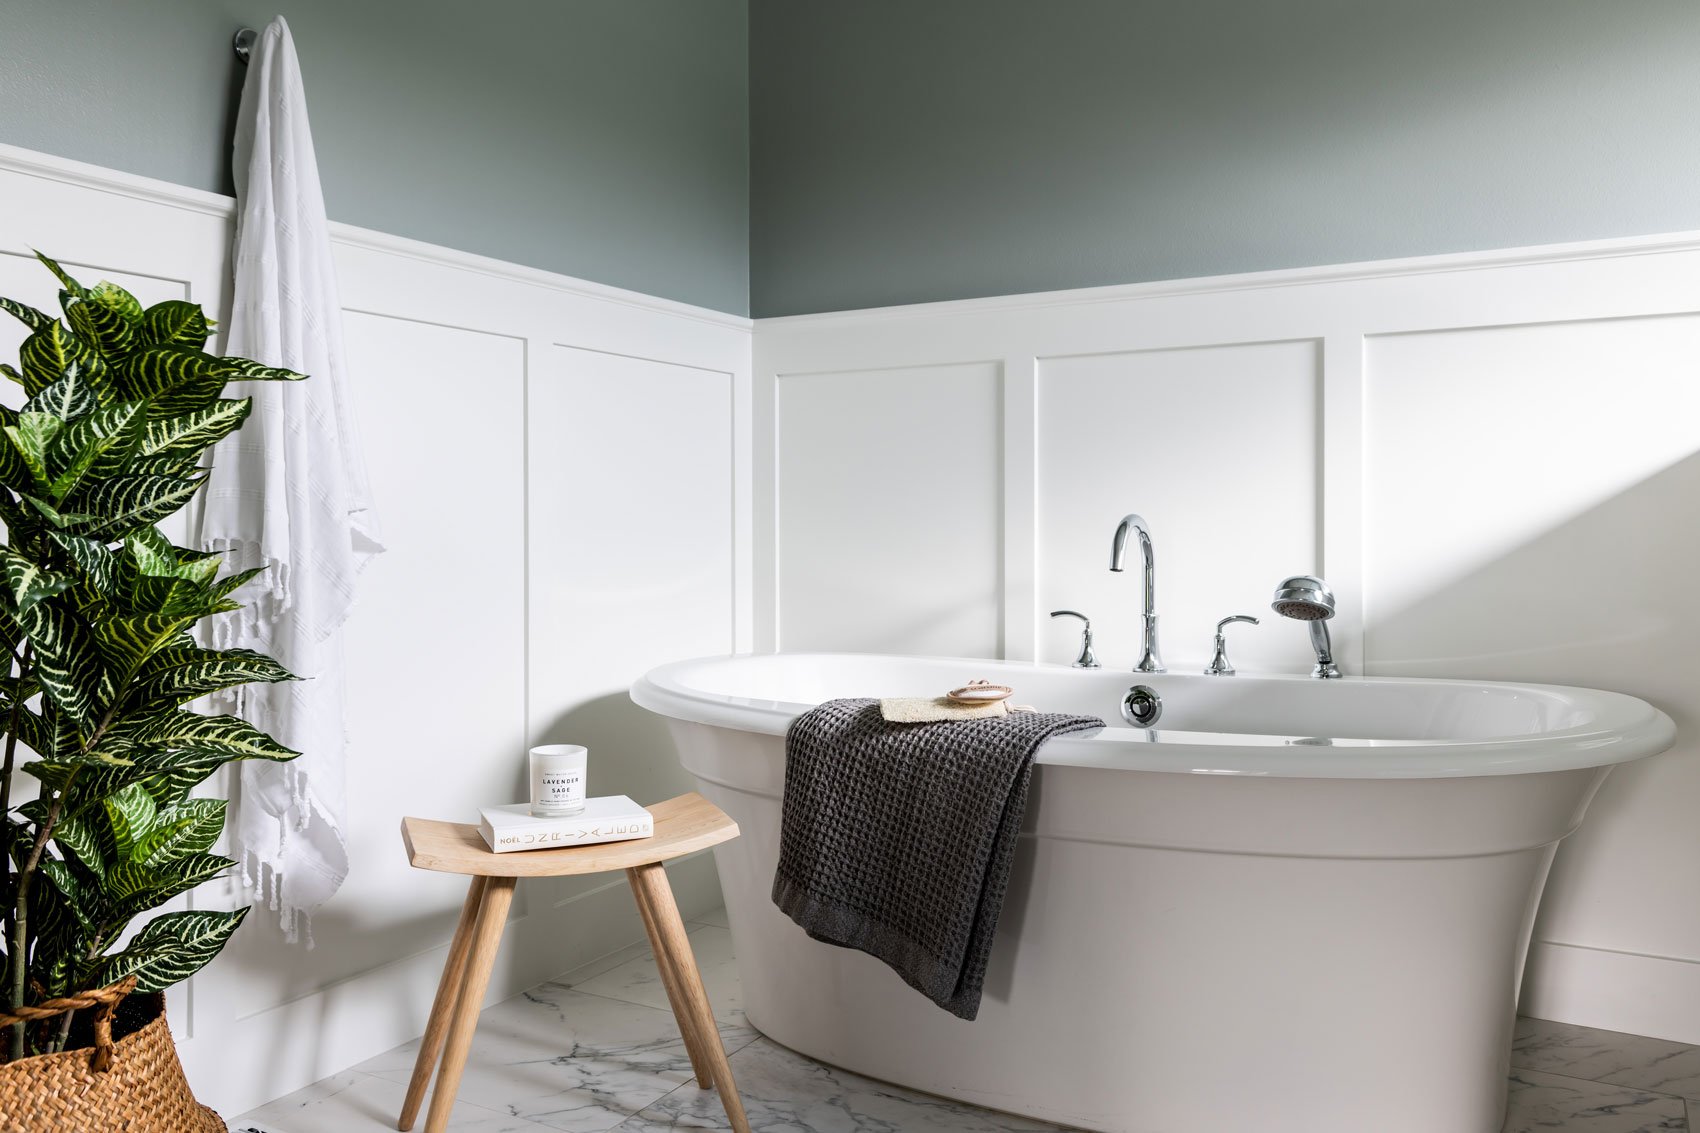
[142, 1089]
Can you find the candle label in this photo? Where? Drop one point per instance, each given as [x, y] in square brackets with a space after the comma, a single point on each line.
[562, 786]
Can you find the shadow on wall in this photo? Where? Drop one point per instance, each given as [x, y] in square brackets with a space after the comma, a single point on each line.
[631, 750]
[631, 753]
[1609, 599]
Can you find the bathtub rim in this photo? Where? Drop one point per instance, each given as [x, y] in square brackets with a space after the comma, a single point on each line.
[1622, 729]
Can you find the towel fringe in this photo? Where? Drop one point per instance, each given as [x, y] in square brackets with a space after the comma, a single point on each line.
[295, 922]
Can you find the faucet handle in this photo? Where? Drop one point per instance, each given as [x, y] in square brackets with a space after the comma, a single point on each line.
[1087, 659]
[1219, 666]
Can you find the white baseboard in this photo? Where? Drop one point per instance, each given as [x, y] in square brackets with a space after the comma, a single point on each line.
[1615, 991]
[265, 1056]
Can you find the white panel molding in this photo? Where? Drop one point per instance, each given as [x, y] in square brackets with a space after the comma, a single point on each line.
[1341, 485]
[1021, 612]
[863, 442]
[318, 1019]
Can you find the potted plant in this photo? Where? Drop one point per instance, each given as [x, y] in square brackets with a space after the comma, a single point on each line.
[96, 612]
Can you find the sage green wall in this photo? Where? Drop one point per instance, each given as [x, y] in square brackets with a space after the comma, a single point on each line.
[907, 150]
[607, 139]
[804, 155]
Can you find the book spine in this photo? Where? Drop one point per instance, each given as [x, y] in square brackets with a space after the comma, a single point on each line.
[557, 837]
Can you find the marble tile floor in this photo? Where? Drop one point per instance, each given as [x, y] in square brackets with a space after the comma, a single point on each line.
[597, 1051]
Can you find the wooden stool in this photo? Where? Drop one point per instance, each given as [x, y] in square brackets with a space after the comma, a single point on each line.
[682, 826]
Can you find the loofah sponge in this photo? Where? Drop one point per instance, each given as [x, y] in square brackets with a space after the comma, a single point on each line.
[926, 709]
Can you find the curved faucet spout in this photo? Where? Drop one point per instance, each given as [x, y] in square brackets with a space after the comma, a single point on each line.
[1150, 662]
[1118, 553]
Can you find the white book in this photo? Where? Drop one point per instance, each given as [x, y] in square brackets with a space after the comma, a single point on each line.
[611, 818]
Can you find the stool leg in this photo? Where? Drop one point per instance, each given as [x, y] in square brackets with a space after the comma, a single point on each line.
[448, 990]
[486, 938]
[687, 1030]
[651, 881]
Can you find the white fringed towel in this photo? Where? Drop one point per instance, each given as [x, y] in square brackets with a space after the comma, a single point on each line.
[288, 493]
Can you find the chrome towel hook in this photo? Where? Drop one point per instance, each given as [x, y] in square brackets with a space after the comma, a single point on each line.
[244, 43]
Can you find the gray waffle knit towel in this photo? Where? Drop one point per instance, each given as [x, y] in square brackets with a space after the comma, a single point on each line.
[897, 838]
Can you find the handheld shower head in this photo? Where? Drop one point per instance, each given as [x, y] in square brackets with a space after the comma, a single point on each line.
[1306, 598]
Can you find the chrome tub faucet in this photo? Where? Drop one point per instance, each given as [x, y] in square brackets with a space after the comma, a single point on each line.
[1152, 660]
[1219, 665]
[1087, 659]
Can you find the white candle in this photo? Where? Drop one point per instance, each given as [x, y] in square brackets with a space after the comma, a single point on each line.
[557, 779]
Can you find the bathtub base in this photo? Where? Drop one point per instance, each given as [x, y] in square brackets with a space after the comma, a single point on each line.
[1188, 969]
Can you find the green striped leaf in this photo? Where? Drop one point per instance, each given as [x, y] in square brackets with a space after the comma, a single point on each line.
[30, 438]
[68, 664]
[248, 370]
[156, 555]
[189, 434]
[28, 582]
[172, 948]
[134, 887]
[17, 689]
[78, 837]
[228, 586]
[176, 775]
[154, 370]
[182, 673]
[99, 445]
[95, 561]
[14, 473]
[126, 641]
[125, 305]
[130, 816]
[25, 314]
[105, 327]
[190, 827]
[126, 502]
[176, 466]
[46, 354]
[227, 736]
[166, 775]
[47, 733]
[65, 280]
[91, 779]
[176, 379]
[61, 518]
[175, 323]
[11, 374]
[177, 598]
[70, 395]
[82, 901]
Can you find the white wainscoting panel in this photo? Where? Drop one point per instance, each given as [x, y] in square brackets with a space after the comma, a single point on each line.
[1494, 457]
[1510, 457]
[631, 553]
[1217, 448]
[890, 506]
[1554, 541]
[563, 474]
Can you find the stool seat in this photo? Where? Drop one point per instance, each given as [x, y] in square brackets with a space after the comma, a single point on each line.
[682, 826]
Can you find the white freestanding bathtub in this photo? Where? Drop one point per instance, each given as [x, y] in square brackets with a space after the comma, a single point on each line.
[1293, 905]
